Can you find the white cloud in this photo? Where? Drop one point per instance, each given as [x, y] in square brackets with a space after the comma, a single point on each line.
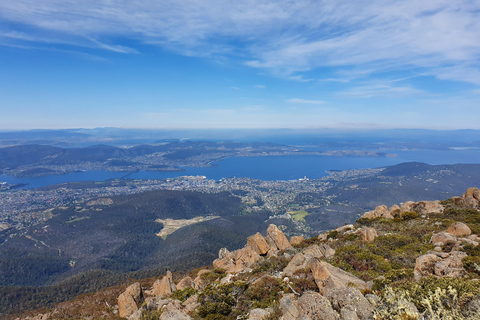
[380, 90]
[440, 37]
[303, 101]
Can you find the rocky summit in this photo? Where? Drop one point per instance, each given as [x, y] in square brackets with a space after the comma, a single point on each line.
[416, 260]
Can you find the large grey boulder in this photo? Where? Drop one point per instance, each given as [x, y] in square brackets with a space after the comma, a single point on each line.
[344, 297]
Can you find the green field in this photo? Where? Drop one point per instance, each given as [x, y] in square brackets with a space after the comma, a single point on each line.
[299, 215]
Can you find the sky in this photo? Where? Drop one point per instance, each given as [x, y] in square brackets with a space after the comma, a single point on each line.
[239, 64]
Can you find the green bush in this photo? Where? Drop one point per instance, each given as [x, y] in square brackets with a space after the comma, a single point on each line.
[409, 215]
[184, 294]
[332, 234]
[270, 264]
[264, 292]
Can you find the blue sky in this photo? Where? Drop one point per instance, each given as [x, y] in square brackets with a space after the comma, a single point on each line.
[240, 64]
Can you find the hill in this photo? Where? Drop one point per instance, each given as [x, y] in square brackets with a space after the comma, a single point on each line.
[415, 261]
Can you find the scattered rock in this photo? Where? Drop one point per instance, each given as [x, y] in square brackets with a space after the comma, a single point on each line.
[258, 314]
[276, 238]
[367, 234]
[236, 261]
[319, 251]
[329, 277]
[186, 282]
[459, 229]
[440, 264]
[174, 315]
[128, 301]
[380, 211]
[190, 304]
[345, 228]
[165, 286]
[316, 306]
[441, 238]
[288, 307]
[343, 297]
[296, 240]
[258, 243]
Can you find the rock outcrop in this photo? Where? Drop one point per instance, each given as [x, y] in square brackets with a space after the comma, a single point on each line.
[329, 277]
[258, 243]
[310, 306]
[129, 300]
[277, 239]
[367, 234]
[440, 264]
[459, 229]
[348, 301]
[165, 286]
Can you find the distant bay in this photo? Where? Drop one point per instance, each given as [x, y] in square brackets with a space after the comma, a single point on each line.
[269, 167]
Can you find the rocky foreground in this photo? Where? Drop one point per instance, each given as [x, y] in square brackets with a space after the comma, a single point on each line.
[414, 261]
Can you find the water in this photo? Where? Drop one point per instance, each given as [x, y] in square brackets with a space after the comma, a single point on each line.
[269, 168]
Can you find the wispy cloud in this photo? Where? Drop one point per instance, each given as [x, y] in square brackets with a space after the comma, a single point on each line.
[260, 86]
[380, 90]
[288, 38]
[303, 101]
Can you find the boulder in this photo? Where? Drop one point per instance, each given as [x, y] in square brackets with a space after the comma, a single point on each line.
[126, 305]
[442, 238]
[298, 262]
[258, 243]
[459, 229]
[319, 251]
[288, 307]
[380, 211]
[345, 228]
[472, 192]
[367, 234]
[452, 266]
[190, 304]
[258, 314]
[440, 264]
[165, 286]
[174, 315]
[425, 265]
[276, 238]
[407, 206]
[343, 297]
[329, 277]
[128, 301]
[244, 258]
[199, 283]
[186, 282]
[348, 313]
[296, 240]
[394, 210]
[431, 207]
[470, 201]
[323, 236]
[316, 306]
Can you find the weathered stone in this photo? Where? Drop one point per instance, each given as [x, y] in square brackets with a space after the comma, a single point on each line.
[459, 229]
[345, 228]
[442, 238]
[244, 258]
[165, 286]
[298, 262]
[135, 290]
[186, 282]
[472, 192]
[431, 207]
[394, 210]
[225, 260]
[425, 265]
[329, 277]
[258, 314]
[367, 234]
[129, 299]
[222, 253]
[276, 238]
[288, 307]
[258, 243]
[296, 240]
[315, 306]
[380, 211]
[319, 251]
[322, 236]
[174, 315]
[451, 266]
[348, 313]
[407, 206]
[342, 297]
[126, 305]
[190, 304]
[469, 241]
